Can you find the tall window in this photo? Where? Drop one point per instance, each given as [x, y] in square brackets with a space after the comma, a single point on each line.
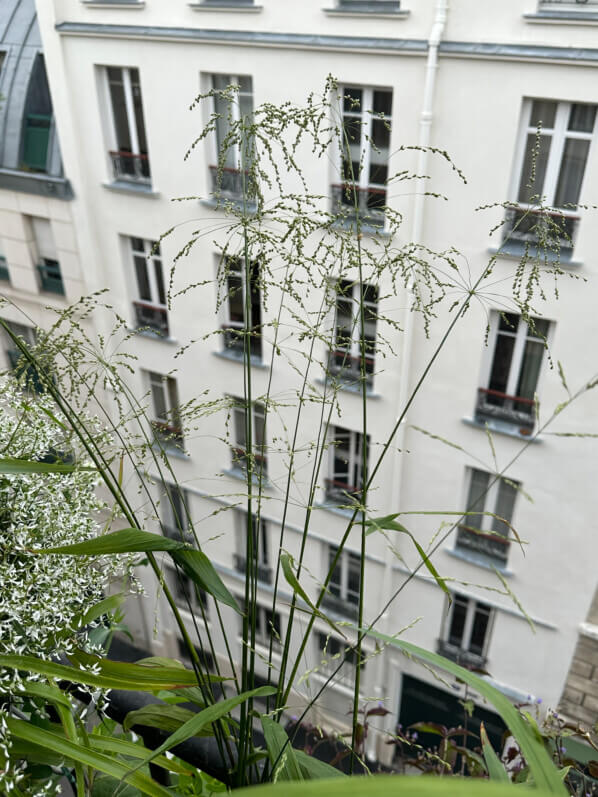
[343, 588]
[186, 594]
[174, 512]
[467, 631]
[239, 449]
[235, 307]
[45, 255]
[346, 357]
[267, 625]
[261, 544]
[556, 160]
[365, 148]
[150, 308]
[517, 352]
[334, 651]
[230, 168]
[482, 533]
[166, 419]
[346, 465]
[37, 120]
[129, 153]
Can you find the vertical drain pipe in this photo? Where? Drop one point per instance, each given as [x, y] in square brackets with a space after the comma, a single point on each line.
[375, 743]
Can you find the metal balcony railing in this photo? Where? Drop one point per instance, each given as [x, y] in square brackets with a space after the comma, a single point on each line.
[174, 533]
[50, 277]
[550, 231]
[234, 184]
[234, 339]
[154, 316]
[130, 166]
[354, 202]
[240, 460]
[264, 573]
[348, 367]
[567, 4]
[169, 436]
[492, 545]
[465, 658]
[4, 275]
[518, 411]
[342, 606]
[341, 492]
[370, 5]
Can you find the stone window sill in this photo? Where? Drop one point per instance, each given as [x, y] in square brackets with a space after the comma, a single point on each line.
[514, 252]
[237, 473]
[255, 362]
[563, 17]
[126, 187]
[222, 5]
[372, 13]
[113, 3]
[147, 333]
[479, 560]
[222, 204]
[348, 387]
[502, 427]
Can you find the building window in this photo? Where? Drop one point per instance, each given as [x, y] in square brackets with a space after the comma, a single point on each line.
[565, 5]
[346, 359]
[27, 374]
[4, 275]
[187, 595]
[346, 466]
[343, 588]
[467, 632]
[554, 145]
[365, 148]
[239, 448]
[483, 533]
[45, 256]
[128, 152]
[334, 651]
[518, 350]
[232, 278]
[174, 512]
[261, 545]
[37, 120]
[230, 169]
[267, 625]
[364, 6]
[165, 419]
[150, 308]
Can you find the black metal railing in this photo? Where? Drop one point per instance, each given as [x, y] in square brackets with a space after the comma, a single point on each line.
[370, 5]
[150, 315]
[568, 3]
[264, 573]
[170, 436]
[50, 277]
[492, 545]
[463, 657]
[4, 275]
[549, 231]
[347, 367]
[342, 606]
[353, 202]
[518, 411]
[130, 166]
[232, 184]
[234, 340]
[241, 461]
[341, 492]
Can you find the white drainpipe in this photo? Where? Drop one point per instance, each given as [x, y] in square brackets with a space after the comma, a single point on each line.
[376, 747]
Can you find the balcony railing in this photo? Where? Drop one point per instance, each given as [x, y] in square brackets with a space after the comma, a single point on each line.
[50, 277]
[341, 492]
[169, 436]
[234, 340]
[130, 166]
[348, 367]
[353, 202]
[26, 371]
[264, 573]
[494, 546]
[465, 658]
[370, 5]
[4, 275]
[179, 535]
[547, 231]
[234, 184]
[578, 5]
[518, 411]
[341, 606]
[240, 460]
[154, 316]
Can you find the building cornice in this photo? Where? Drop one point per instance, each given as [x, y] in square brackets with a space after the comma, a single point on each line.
[305, 41]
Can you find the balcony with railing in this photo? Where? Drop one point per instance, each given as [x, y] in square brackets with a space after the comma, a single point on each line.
[130, 166]
[241, 461]
[151, 316]
[234, 340]
[4, 275]
[549, 233]
[491, 545]
[342, 606]
[366, 6]
[169, 435]
[233, 184]
[514, 410]
[341, 492]
[264, 573]
[466, 658]
[50, 278]
[347, 368]
[366, 204]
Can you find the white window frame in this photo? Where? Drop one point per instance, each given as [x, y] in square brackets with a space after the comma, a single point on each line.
[234, 152]
[239, 447]
[131, 120]
[263, 629]
[29, 337]
[263, 538]
[236, 266]
[354, 460]
[153, 266]
[169, 423]
[351, 294]
[464, 647]
[172, 495]
[338, 587]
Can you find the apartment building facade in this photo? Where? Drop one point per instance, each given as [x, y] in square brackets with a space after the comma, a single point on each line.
[475, 83]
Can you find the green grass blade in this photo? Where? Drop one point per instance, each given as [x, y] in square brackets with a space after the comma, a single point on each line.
[167, 718]
[103, 607]
[493, 763]
[50, 694]
[286, 563]
[21, 729]
[543, 770]
[109, 744]
[11, 465]
[124, 541]
[201, 571]
[280, 752]
[313, 768]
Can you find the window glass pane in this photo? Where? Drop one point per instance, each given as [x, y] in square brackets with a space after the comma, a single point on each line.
[335, 583]
[581, 118]
[119, 110]
[457, 627]
[383, 102]
[353, 578]
[380, 137]
[143, 285]
[158, 397]
[222, 108]
[479, 628]
[573, 166]
[159, 281]
[136, 89]
[505, 503]
[476, 500]
[236, 307]
[544, 113]
[530, 369]
[259, 426]
[508, 322]
[541, 326]
[239, 427]
[352, 99]
[534, 166]
[501, 363]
